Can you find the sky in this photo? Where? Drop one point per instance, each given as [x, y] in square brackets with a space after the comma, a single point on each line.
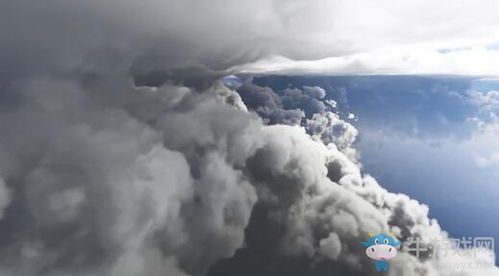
[123, 151]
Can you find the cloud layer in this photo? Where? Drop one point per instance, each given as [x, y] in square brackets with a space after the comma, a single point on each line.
[158, 39]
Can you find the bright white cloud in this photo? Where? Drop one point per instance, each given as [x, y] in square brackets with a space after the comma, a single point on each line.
[388, 37]
[474, 61]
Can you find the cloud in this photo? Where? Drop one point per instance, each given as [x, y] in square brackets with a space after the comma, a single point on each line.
[269, 105]
[329, 128]
[193, 42]
[392, 60]
[322, 214]
[4, 196]
[427, 108]
[306, 107]
[120, 154]
[117, 180]
[97, 192]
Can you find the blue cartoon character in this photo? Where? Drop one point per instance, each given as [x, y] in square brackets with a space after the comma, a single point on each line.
[381, 248]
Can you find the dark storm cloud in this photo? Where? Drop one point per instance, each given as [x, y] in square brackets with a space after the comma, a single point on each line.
[306, 106]
[99, 191]
[269, 105]
[99, 177]
[286, 106]
[154, 40]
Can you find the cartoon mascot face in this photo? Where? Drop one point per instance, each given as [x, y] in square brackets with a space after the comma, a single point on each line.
[381, 248]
